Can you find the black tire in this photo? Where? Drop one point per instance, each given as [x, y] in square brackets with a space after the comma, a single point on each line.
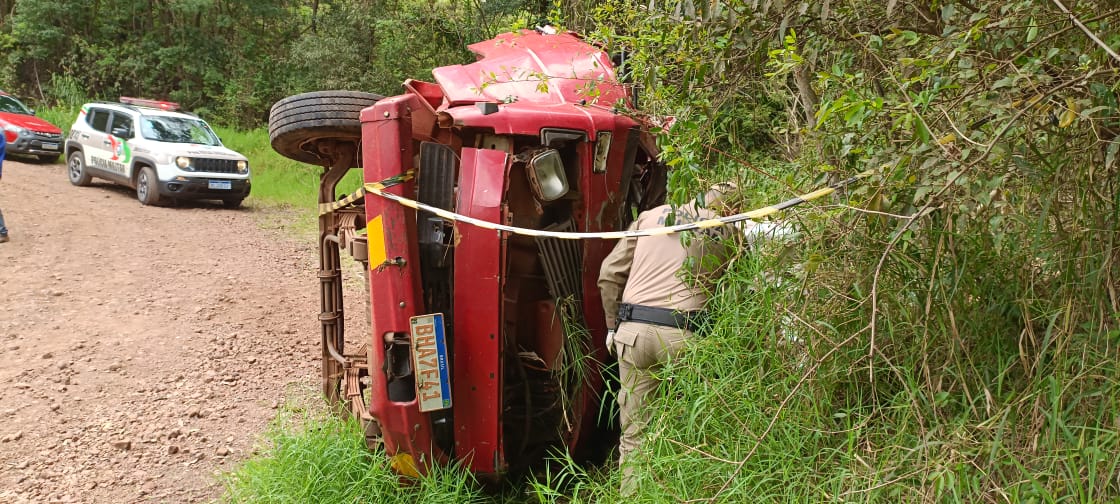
[147, 186]
[48, 158]
[76, 169]
[297, 122]
[232, 203]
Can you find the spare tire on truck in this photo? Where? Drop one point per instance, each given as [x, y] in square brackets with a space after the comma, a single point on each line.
[298, 122]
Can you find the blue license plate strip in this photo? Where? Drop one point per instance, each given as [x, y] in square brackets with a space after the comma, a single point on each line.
[430, 362]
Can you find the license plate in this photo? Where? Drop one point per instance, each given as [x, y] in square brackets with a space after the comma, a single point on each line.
[221, 184]
[50, 146]
[429, 361]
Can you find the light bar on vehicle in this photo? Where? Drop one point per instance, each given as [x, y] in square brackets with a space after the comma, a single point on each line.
[141, 102]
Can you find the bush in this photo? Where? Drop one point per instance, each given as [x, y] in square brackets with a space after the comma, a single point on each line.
[955, 316]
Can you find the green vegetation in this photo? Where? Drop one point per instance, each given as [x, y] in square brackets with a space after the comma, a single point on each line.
[61, 117]
[948, 331]
[310, 457]
[322, 459]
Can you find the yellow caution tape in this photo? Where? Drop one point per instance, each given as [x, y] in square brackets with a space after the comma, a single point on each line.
[356, 196]
[378, 189]
[326, 208]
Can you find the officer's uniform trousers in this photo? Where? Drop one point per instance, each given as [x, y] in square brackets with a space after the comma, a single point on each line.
[647, 272]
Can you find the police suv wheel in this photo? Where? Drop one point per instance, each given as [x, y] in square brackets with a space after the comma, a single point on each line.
[298, 122]
[76, 169]
[147, 187]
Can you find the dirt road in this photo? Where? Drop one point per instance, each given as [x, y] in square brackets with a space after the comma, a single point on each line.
[142, 349]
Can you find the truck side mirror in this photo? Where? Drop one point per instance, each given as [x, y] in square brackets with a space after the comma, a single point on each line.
[546, 175]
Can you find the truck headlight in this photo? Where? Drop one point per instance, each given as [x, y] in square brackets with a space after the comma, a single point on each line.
[242, 167]
[183, 162]
[546, 175]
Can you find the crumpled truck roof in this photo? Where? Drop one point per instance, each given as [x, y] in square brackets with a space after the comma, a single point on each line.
[537, 79]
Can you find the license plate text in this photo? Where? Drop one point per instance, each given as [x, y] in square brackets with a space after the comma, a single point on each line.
[429, 359]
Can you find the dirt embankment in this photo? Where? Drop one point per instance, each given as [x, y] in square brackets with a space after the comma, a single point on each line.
[142, 349]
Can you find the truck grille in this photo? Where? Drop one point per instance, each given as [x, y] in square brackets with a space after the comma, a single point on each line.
[563, 263]
[437, 188]
[215, 165]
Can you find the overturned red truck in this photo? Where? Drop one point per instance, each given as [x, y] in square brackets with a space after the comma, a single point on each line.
[486, 346]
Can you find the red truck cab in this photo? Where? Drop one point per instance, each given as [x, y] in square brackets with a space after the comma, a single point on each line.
[486, 345]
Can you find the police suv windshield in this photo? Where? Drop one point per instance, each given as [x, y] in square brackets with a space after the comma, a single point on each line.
[9, 104]
[178, 130]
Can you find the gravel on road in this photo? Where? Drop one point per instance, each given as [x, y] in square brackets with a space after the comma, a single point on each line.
[142, 349]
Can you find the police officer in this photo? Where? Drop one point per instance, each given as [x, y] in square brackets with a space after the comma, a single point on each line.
[654, 289]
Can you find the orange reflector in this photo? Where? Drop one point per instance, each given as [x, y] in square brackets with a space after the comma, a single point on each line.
[404, 465]
[375, 239]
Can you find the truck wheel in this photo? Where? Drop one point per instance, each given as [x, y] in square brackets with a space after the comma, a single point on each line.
[76, 169]
[147, 186]
[232, 203]
[297, 122]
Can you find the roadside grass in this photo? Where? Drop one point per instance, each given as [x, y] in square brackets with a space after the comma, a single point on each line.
[310, 456]
[61, 117]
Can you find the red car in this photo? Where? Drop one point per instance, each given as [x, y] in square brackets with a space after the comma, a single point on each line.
[27, 134]
[486, 347]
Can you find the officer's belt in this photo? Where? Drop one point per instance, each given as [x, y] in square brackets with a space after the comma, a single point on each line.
[661, 316]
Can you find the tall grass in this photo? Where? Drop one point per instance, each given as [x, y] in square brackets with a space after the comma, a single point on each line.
[61, 117]
[316, 458]
[309, 457]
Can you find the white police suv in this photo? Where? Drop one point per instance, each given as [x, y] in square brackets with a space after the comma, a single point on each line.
[162, 153]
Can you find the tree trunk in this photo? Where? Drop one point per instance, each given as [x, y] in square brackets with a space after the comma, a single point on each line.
[802, 77]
